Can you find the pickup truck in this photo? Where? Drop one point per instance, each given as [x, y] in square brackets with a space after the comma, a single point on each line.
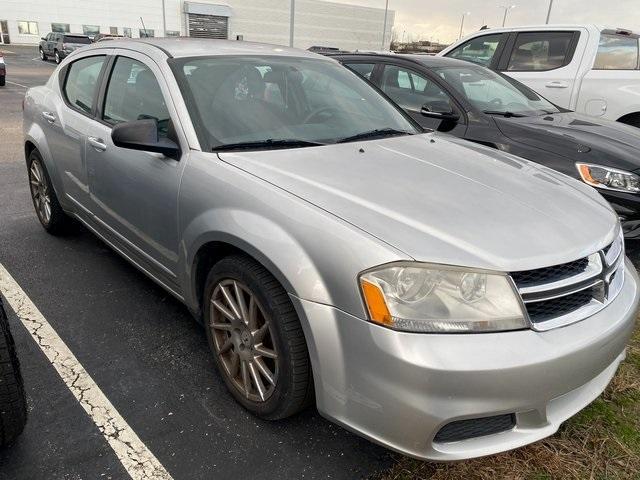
[585, 68]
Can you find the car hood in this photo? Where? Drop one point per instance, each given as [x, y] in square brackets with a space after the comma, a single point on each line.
[577, 137]
[439, 200]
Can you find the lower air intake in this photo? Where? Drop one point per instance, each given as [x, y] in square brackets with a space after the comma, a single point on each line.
[475, 427]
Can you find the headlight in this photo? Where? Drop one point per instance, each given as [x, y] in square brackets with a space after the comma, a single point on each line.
[419, 297]
[609, 178]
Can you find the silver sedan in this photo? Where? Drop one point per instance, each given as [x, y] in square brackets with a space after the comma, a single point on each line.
[443, 299]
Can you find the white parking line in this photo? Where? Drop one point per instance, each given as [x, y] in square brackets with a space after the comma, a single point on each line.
[18, 84]
[136, 458]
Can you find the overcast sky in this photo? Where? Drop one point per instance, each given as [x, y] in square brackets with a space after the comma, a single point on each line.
[440, 20]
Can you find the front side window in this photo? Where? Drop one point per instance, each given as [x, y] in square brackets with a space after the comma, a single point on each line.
[536, 51]
[411, 90]
[493, 93]
[363, 69]
[478, 50]
[91, 30]
[239, 100]
[617, 52]
[60, 27]
[133, 93]
[27, 28]
[82, 81]
[146, 33]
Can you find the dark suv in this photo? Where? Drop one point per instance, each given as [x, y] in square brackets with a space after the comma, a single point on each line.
[59, 45]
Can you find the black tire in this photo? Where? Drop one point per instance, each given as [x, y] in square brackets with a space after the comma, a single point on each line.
[2, 80]
[58, 222]
[13, 405]
[43, 55]
[293, 390]
[56, 56]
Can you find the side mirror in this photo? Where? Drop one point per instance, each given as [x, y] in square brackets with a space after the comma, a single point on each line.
[143, 135]
[439, 109]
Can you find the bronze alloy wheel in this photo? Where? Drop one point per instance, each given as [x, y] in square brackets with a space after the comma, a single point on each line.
[40, 192]
[243, 340]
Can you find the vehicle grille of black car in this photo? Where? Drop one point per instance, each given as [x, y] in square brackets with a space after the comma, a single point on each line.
[563, 294]
[475, 427]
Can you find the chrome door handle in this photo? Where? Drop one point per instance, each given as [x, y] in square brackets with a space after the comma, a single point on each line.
[556, 84]
[49, 116]
[97, 143]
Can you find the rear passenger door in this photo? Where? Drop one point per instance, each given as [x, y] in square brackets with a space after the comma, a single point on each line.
[134, 193]
[546, 62]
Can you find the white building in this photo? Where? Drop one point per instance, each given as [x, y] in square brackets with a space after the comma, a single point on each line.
[317, 22]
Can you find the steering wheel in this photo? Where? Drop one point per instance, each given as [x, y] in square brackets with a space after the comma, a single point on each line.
[319, 111]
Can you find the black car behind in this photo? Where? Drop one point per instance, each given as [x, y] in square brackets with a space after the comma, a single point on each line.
[482, 106]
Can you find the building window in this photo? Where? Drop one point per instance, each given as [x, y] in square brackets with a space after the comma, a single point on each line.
[91, 30]
[27, 28]
[60, 27]
[144, 33]
[126, 31]
[113, 30]
[172, 33]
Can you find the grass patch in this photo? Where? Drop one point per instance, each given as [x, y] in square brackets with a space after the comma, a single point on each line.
[600, 443]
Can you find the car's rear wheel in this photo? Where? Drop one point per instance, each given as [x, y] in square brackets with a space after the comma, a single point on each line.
[43, 56]
[44, 198]
[13, 406]
[256, 338]
[56, 55]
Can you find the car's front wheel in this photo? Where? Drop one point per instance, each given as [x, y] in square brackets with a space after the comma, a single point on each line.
[256, 338]
[44, 198]
[43, 56]
[56, 55]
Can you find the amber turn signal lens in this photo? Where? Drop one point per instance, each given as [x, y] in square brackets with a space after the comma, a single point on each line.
[585, 173]
[374, 298]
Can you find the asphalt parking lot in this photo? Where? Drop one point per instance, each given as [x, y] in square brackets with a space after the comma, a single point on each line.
[142, 349]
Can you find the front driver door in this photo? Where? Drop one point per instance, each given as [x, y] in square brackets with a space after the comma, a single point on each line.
[412, 90]
[134, 193]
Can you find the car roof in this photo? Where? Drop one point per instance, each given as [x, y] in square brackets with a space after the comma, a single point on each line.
[426, 60]
[193, 47]
[548, 27]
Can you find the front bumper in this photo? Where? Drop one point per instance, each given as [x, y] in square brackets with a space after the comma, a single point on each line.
[399, 389]
[627, 207]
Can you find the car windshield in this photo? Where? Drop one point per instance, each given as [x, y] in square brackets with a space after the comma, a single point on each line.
[493, 93]
[76, 39]
[283, 102]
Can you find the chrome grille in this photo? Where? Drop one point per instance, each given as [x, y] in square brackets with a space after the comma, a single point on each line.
[563, 294]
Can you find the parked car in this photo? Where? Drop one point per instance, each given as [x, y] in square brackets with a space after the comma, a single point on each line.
[420, 287]
[3, 71]
[59, 45]
[586, 68]
[477, 104]
[13, 406]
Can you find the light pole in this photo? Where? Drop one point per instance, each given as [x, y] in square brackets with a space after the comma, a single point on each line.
[462, 23]
[549, 11]
[506, 9]
[291, 21]
[164, 21]
[384, 27]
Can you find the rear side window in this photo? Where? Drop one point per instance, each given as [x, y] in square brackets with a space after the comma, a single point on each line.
[82, 82]
[410, 90]
[76, 39]
[478, 50]
[538, 51]
[134, 94]
[616, 52]
[363, 69]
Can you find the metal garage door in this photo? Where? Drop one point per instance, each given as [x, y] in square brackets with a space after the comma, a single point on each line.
[208, 26]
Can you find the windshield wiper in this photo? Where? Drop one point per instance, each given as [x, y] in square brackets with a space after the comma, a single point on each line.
[266, 144]
[378, 132]
[504, 114]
